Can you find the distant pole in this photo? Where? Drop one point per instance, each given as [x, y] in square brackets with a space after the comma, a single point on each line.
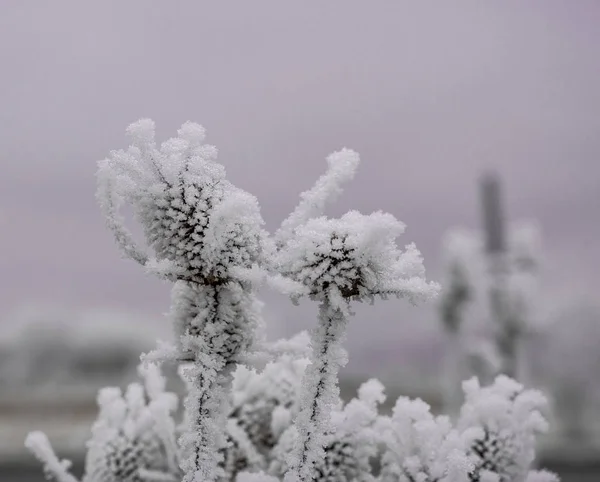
[493, 217]
[506, 333]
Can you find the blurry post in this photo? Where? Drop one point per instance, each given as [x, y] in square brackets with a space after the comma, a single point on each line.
[506, 332]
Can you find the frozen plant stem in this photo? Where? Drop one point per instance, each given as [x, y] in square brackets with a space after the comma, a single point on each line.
[214, 337]
[208, 410]
[320, 389]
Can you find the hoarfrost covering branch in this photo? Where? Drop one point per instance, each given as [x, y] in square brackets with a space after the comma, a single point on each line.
[342, 167]
[202, 230]
[353, 258]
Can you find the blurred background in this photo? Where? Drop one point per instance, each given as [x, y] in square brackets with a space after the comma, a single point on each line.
[431, 95]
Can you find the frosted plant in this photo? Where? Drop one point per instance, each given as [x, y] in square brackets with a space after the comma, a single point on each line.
[517, 283]
[508, 418]
[127, 445]
[133, 438]
[353, 258]
[201, 229]
[349, 446]
[460, 250]
[199, 225]
[524, 242]
[510, 275]
[285, 420]
[265, 403]
[493, 440]
[421, 447]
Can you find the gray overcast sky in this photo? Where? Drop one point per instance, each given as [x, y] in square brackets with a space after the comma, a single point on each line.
[429, 93]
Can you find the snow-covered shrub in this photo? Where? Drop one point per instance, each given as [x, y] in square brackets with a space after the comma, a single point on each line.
[133, 438]
[258, 411]
[507, 418]
[419, 446]
[493, 439]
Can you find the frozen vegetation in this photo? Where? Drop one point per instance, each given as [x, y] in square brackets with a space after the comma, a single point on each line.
[261, 411]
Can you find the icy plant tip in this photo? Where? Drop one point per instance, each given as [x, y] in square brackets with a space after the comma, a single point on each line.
[197, 223]
[355, 257]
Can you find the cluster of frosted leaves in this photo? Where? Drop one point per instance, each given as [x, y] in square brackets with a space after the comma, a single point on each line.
[507, 418]
[197, 223]
[418, 446]
[349, 446]
[354, 257]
